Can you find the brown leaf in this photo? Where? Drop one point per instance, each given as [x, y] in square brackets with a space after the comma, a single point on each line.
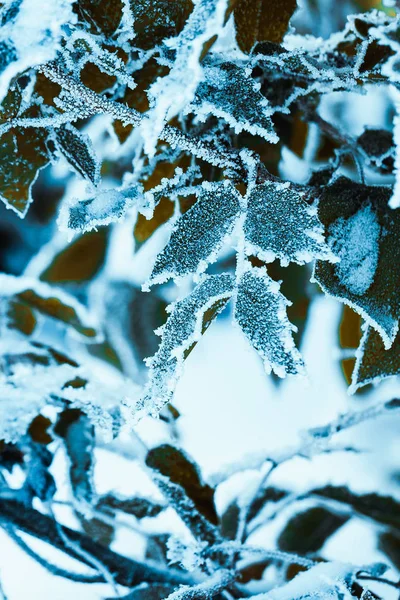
[38, 430]
[157, 20]
[262, 20]
[55, 308]
[102, 16]
[174, 464]
[374, 362]
[80, 261]
[22, 154]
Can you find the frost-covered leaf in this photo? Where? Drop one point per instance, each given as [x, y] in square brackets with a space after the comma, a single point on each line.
[140, 508]
[363, 232]
[188, 320]
[77, 149]
[383, 509]
[22, 154]
[378, 145]
[373, 361]
[170, 94]
[280, 224]
[30, 34]
[199, 234]
[74, 427]
[261, 20]
[107, 206]
[229, 92]
[308, 531]
[152, 591]
[260, 312]
[158, 20]
[174, 464]
[325, 581]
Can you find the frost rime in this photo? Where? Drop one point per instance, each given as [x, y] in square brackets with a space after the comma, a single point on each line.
[260, 312]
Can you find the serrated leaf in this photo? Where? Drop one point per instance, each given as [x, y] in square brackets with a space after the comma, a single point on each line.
[174, 464]
[260, 312]
[363, 231]
[199, 234]
[187, 322]
[307, 531]
[78, 150]
[280, 224]
[22, 154]
[230, 93]
[262, 20]
[373, 361]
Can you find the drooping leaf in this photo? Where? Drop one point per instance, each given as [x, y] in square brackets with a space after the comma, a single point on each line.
[373, 361]
[22, 154]
[174, 464]
[77, 149]
[308, 531]
[261, 20]
[260, 312]
[229, 93]
[362, 230]
[188, 320]
[199, 234]
[280, 224]
[383, 509]
[107, 206]
[74, 427]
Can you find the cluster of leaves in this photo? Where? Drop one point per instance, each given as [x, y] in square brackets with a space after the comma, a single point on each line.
[174, 118]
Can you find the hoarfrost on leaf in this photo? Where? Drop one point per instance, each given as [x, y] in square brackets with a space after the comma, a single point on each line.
[280, 224]
[362, 228]
[199, 234]
[170, 95]
[105, 207]
[78, 150]
[356, 242]
[260, 311]
[229, 92]
[184, 327]
[31, 36]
